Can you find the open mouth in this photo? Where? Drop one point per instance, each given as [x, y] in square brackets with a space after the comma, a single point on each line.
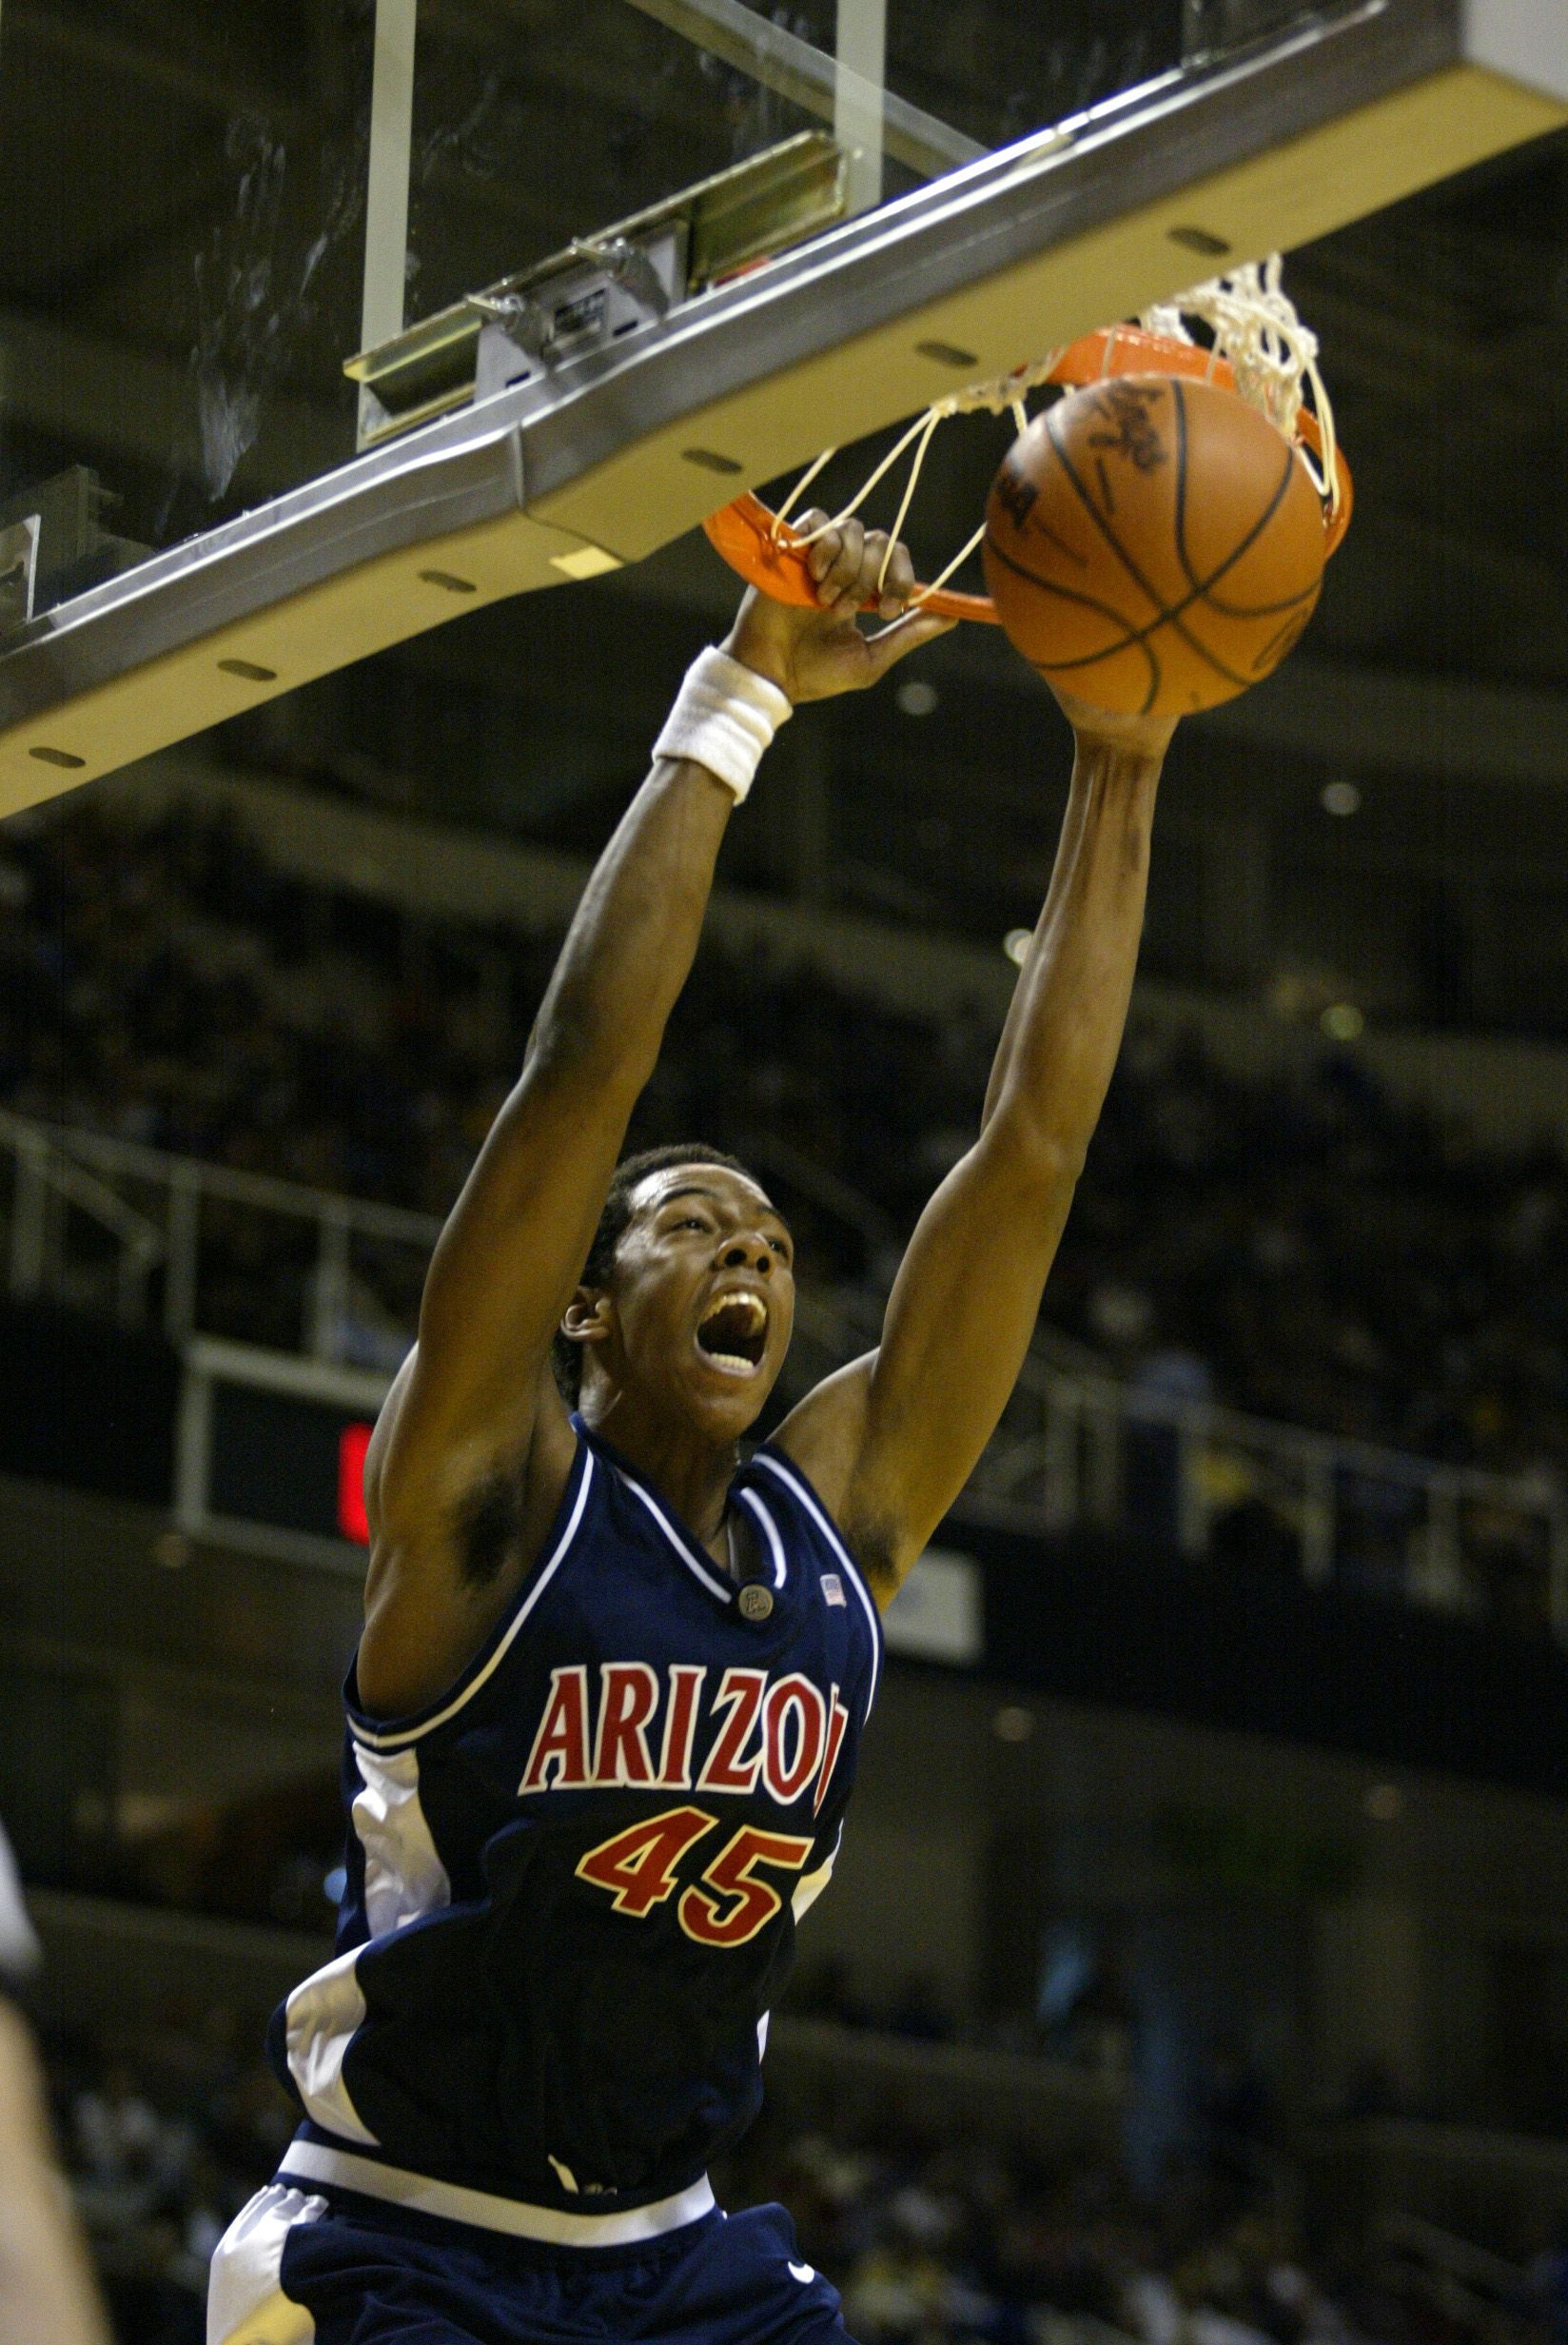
[733, 1334]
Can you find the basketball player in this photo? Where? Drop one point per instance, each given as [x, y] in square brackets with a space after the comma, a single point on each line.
[603, 1719]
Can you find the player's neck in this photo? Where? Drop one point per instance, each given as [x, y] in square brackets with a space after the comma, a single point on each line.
[689, 1468]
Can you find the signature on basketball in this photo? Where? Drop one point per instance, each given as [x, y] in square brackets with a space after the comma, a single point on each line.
[1015, 494]
[1131, 430]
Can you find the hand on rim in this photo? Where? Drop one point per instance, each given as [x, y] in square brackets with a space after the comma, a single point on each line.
[814, 654]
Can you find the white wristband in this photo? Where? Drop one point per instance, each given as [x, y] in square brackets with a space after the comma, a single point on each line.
[724, 717]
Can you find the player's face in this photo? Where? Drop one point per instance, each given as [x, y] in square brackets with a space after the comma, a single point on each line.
[704, 1293]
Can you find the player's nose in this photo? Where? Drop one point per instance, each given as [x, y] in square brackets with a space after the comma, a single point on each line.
[750, 1252]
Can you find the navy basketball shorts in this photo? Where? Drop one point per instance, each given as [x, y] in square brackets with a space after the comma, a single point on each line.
[329, 2267]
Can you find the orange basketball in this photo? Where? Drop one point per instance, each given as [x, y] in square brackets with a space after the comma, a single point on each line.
[1154, 545]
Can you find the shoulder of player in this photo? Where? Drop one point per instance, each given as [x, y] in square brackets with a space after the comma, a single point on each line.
[824, 1435]
[444, 1569]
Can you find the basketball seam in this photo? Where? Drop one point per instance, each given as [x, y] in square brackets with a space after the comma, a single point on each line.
[1131, 640]
[1073, 594]
[1202, 589]
[1131, 637]
[1168, 617]
[1052, 537]
[1172, 618]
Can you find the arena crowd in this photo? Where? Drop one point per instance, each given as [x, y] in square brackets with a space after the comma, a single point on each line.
[961, 2242]
[1303, 1247]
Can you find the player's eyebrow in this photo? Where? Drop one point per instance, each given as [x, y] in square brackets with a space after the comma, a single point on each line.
[699, 1189]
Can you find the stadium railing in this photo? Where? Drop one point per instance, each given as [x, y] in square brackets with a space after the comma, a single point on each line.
[107, 1224]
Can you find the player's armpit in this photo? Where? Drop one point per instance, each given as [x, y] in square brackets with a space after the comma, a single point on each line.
[440, 1579]
[504, 1271]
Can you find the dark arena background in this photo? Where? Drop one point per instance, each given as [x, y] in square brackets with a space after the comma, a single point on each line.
[1196, 1971]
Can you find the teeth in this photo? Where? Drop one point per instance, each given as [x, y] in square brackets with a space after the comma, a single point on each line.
[754, 1307]
[743, 1317]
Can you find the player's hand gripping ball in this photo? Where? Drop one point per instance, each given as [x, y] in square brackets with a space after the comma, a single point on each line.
[1154, 546]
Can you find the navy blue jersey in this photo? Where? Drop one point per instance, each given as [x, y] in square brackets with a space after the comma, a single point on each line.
[573, 1882]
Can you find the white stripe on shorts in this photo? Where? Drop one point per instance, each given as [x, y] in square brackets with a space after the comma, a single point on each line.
[246, 2304]
[313, 2161]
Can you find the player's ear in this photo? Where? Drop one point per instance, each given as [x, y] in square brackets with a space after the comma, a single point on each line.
[587, 1317]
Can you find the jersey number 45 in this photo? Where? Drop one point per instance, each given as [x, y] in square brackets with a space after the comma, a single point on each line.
[727, 1906]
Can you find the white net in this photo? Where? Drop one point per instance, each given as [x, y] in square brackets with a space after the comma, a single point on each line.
[1254, 326]
[1273, 356]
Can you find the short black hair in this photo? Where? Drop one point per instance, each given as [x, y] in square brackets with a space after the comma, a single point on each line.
[565, 1356]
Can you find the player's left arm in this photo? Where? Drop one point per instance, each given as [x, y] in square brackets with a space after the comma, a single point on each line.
[890, 1441]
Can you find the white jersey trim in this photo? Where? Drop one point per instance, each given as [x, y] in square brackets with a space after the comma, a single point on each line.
[313, 2161]
[750, 1498]
[710, 1581]
[856, 1578]
[396, 1736]
[18, 1946]
[321, 2019]
[808, 1888]
[403, 1874]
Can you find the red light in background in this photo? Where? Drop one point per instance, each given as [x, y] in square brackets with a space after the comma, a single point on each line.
[352, 1444]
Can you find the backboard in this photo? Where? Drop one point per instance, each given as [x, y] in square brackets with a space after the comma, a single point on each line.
[324, 322]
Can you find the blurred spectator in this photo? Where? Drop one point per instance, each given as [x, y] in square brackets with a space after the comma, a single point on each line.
[47, 2295]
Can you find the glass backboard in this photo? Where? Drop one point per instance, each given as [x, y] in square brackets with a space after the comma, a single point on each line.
[192, 198]
[590, 266]
[612, 106]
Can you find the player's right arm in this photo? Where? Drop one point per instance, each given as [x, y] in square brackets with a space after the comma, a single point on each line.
[473, 1407]
[473, 1430]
